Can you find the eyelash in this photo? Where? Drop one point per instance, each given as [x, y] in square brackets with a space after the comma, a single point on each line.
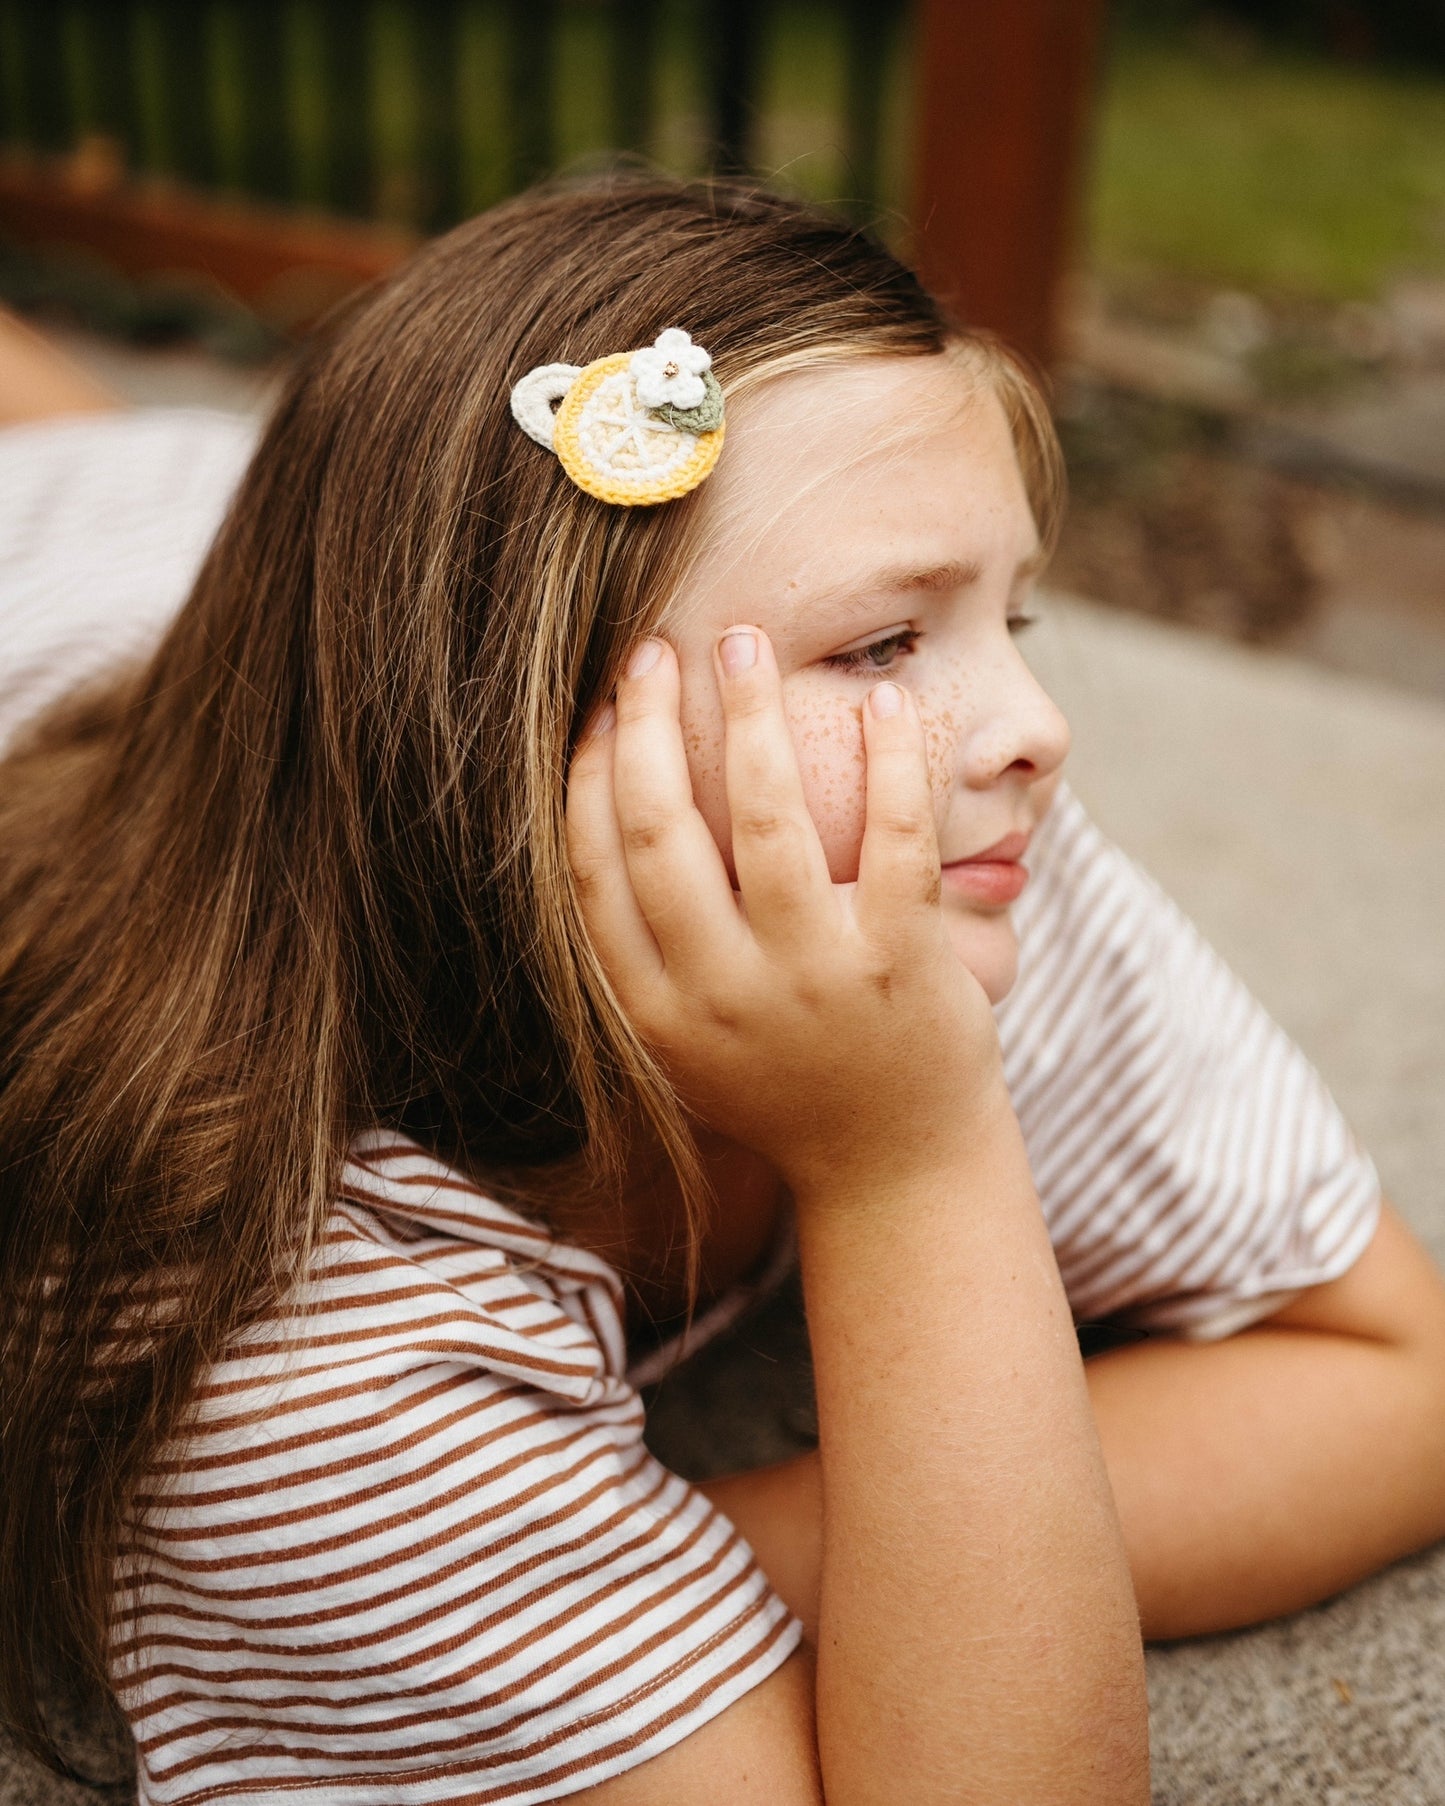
[898, 645]
[862, 659]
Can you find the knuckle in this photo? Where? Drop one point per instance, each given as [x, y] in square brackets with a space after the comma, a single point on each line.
[644, 834]
[729, 1007]
[635, 702]
[631, 709]
[903, 824]
[811, 989]
[747, 701]
[588, 878]
[758, 821]
[722, 1014]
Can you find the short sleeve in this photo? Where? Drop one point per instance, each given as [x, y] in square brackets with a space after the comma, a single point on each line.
[420, 1553]
[1195, 1172]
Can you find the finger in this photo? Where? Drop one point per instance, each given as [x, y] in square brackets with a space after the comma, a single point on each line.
[677, 873]
[613, 919]
[898, 869]
[781, 871]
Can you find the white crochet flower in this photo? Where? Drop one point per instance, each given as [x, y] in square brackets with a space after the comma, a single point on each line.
[669, 372]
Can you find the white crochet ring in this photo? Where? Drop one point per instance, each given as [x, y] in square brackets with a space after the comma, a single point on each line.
[605, 431]
[534, 399]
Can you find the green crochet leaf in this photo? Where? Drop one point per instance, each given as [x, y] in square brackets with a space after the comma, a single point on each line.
[706, 417]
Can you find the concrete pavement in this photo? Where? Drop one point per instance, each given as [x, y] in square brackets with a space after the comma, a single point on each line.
[1299, 817]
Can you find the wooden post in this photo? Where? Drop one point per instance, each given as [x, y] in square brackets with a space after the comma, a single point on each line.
[531, 88]
[634, 74]
[733, 47]
[1004, 95]
[351, 169]
[436, 34]
[268, 151]
[183, 35]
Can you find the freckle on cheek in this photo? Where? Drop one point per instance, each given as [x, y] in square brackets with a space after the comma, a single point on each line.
[940, 741]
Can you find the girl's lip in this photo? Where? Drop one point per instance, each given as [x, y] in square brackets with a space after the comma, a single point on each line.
[986, 880]
[992, 876]
[1010, 848]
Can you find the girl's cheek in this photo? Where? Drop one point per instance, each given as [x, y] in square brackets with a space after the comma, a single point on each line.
[942, 736]
[827, 732]
[828, 739]
[702, 738]
[828, 735]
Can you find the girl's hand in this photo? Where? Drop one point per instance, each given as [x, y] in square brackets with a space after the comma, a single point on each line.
[977, 1635]
[831, 1028]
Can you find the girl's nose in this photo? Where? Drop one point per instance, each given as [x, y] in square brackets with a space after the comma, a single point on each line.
[1023, 732]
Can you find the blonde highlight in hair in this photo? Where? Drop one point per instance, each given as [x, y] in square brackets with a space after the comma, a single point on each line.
[306, 874]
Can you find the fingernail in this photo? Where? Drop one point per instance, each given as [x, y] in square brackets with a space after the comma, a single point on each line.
[644, 658]
[602, 722]
[738, 650]
[885, 699]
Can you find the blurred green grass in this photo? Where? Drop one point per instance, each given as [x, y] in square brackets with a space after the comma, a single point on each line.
[1275, 173]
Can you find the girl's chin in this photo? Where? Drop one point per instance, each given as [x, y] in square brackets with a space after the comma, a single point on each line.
[988, 946]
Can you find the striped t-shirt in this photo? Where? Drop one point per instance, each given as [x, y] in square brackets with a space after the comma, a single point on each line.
[413, 1548]
[1194, 1171]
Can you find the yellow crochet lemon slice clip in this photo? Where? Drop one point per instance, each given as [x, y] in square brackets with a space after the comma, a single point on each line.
[617, 449]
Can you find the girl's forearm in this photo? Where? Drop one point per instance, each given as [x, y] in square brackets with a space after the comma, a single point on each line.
[1259, 1475]
[1253, 1476]
[975, 1613]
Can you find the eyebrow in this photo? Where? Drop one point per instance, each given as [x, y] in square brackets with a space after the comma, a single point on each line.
[933, 579]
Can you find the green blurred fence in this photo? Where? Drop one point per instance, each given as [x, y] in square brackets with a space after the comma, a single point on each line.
[418, 112]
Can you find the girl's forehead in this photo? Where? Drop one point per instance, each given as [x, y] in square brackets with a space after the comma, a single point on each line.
[895, 462]
[857, 407]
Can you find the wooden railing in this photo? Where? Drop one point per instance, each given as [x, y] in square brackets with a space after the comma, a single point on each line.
[421, 111]
[136, 127]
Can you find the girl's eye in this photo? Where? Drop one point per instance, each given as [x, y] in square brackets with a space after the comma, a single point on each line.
[877, 655]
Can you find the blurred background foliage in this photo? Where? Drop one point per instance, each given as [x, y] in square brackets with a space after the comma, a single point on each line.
[1232, 159]
[1294, 147]
[422, 111]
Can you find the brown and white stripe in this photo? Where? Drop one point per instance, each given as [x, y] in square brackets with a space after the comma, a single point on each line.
[1194, 1171]
[414, 1548]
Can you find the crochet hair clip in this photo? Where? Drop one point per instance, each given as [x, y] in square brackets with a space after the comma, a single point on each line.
[635, 428]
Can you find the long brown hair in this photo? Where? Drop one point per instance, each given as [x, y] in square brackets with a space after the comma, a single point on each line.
[305, 874]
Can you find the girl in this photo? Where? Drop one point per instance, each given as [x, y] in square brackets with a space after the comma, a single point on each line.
[392, 1023]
